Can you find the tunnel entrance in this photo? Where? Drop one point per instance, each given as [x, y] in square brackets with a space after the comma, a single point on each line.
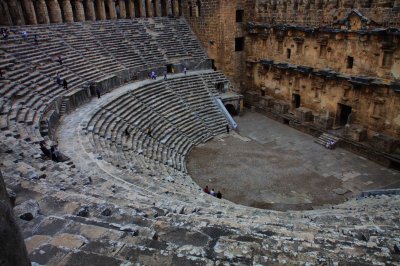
[231, 109]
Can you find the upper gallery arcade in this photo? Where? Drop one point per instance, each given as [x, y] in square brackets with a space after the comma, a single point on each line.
[20, 12]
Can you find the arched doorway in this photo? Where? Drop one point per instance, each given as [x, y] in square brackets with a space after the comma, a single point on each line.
[231, 109]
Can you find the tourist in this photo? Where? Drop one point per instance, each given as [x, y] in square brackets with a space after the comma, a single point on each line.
[184, 70]
[206, 190]
[98, 93]
[126, 131]
[149, 131]
[60, 60]
[227, 129]
[165, 74]
[58, 79]
[35, 39]
[25, 35]
[4, 32]
[219, 195]
[212, 192]
[153, 75]
[65, 84]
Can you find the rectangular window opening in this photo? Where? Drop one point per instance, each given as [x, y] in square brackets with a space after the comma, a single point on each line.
[288, 53]
[387, 59]
[239, 44]
[350, 62]
[239, 15]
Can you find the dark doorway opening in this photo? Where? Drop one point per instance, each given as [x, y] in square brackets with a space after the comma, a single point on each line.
[231, 109]
[220, 86]
[213, 65]
[296, 100]
[169, 68]
[343, 113]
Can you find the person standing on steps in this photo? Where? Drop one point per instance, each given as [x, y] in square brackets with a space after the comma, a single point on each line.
[65, 84]
[60, 60]
[58, 79]
[165, 74]
[227, 128]
[98, 93]
[184, 70]
[149, 131]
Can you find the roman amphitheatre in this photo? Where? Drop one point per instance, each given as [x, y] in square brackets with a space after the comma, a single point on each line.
[115, 115]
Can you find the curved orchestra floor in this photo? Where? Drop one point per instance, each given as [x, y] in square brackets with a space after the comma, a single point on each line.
[268, 165]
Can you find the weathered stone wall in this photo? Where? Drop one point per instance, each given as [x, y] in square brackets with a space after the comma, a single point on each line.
[375, 55]
[214, 22]
[326, 12]
[373, 107]
[12, 248]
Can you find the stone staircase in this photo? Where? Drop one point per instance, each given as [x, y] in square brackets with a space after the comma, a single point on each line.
[325, 137]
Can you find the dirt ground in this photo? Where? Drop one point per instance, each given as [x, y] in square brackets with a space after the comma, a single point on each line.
[265, 164]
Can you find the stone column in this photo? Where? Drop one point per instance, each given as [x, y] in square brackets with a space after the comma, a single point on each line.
[54, 11]
[16, 13]
[42, 14]
[12, 248]
[169, 7]
[29, 11]
[100, 11]
[176, 8]
[158, 9]
[80, 12]
[5, 17]
[67, 11]
[130, 9]
[142, 8]
[111, 9]
[122, 9]
[89, 10]
[149, 8]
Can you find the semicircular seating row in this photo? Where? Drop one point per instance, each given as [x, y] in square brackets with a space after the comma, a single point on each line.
[181, 114]
[91, 51]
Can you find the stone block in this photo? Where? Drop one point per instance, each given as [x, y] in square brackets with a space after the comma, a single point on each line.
[304, 114]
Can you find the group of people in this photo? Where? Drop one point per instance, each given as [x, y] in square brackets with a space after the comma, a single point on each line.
[212, 192]
[61, 82]
[4, 33]
[153, 75]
